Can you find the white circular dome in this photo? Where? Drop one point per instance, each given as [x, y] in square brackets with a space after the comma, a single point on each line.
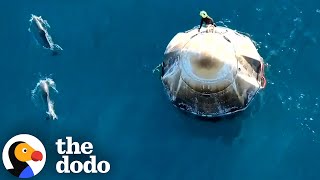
[208, 63]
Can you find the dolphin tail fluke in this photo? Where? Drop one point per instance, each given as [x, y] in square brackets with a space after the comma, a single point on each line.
[56, 49]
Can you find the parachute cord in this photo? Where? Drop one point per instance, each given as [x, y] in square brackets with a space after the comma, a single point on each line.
[264, 83]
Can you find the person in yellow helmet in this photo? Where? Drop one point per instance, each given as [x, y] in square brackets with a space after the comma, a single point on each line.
[206, 19]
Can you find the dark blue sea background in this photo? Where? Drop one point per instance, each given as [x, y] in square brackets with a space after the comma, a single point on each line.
[109, 96]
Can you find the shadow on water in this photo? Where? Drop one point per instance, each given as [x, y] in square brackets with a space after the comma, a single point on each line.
[218, 119]
[226, 128]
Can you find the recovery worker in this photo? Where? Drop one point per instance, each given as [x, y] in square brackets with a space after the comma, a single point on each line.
[206, 19]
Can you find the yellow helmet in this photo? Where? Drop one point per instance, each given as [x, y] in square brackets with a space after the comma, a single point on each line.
[203, 14]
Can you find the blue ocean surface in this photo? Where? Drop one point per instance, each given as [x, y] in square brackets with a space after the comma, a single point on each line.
[109, 96]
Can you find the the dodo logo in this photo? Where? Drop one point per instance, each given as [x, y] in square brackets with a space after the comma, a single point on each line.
[24, 156]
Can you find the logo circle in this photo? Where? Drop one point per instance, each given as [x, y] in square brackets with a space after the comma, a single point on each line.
[24, 156]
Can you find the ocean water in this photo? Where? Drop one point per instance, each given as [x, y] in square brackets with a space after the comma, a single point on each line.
[109, 96]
